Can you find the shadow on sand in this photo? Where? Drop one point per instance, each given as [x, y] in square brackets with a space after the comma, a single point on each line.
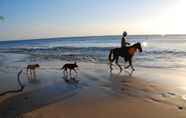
[17, 105]
[71, 79]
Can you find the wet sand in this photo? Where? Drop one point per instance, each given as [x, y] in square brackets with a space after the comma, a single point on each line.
[148, 93]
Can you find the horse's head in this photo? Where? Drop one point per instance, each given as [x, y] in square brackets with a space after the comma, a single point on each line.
[138, 45]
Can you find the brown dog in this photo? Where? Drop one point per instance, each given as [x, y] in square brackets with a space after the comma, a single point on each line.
[32, 69]
[70, 67]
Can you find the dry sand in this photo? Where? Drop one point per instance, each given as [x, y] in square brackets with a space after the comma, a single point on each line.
[148, 93]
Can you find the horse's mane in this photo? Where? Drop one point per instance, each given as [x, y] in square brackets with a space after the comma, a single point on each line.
[136, 44]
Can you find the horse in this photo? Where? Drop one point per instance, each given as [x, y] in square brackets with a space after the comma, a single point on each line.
[127, 53]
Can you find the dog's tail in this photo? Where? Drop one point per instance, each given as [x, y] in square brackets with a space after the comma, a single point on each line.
[62, 68]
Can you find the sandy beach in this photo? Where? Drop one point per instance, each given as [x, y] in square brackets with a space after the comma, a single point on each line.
[41, 39]
[97, 93]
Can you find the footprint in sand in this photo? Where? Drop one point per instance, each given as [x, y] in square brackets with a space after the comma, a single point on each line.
[180, 107]
[163, 95]
[168, 94]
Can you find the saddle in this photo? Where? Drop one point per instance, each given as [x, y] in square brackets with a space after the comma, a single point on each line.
[125, 52]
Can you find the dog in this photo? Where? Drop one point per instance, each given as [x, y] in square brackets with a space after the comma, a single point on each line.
[70, 67]
[32, 68]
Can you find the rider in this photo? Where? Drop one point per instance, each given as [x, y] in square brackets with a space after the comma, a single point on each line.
[124, 43]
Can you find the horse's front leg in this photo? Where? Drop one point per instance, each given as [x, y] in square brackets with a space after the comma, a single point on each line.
[130, 64]
[117, 58]
[127, 66]
[126, 60]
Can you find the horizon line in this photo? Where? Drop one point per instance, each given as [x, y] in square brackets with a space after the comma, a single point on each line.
[84, 36]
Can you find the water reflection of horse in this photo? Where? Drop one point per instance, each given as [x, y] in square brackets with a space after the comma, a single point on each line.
[127, 55]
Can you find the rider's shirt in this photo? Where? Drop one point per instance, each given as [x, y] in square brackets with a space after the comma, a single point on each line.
[123, 42]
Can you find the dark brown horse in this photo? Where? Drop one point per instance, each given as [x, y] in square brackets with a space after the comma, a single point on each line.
[127, 53]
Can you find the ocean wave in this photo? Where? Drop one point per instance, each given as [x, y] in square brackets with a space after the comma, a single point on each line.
[150, 57]
[85, 50]
[53, 48]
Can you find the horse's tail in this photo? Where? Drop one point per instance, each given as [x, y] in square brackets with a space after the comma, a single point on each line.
[110, 56]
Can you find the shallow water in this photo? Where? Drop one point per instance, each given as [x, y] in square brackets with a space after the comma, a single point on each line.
[158, 51]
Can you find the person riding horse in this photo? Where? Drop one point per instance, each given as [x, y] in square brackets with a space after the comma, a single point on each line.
[124, 44]
[128, 54]
[126, 51]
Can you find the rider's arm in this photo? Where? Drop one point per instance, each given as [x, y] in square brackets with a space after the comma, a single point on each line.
[127, 43]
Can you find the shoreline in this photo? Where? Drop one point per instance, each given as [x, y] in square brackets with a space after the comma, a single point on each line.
[51, 96]
[147, 93]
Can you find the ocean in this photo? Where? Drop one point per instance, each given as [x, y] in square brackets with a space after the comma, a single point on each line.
[158, 51]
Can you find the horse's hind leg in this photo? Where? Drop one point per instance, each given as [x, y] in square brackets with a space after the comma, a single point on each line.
[111, 68]
[117, 58]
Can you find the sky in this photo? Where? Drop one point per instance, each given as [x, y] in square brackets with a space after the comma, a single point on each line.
[32, 19]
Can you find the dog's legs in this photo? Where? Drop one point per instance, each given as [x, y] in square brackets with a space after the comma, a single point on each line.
[27, 74]
[30, 74]
[70, 73]
[64, 73]
[27, 71]
[34, 74]
[75, 71]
